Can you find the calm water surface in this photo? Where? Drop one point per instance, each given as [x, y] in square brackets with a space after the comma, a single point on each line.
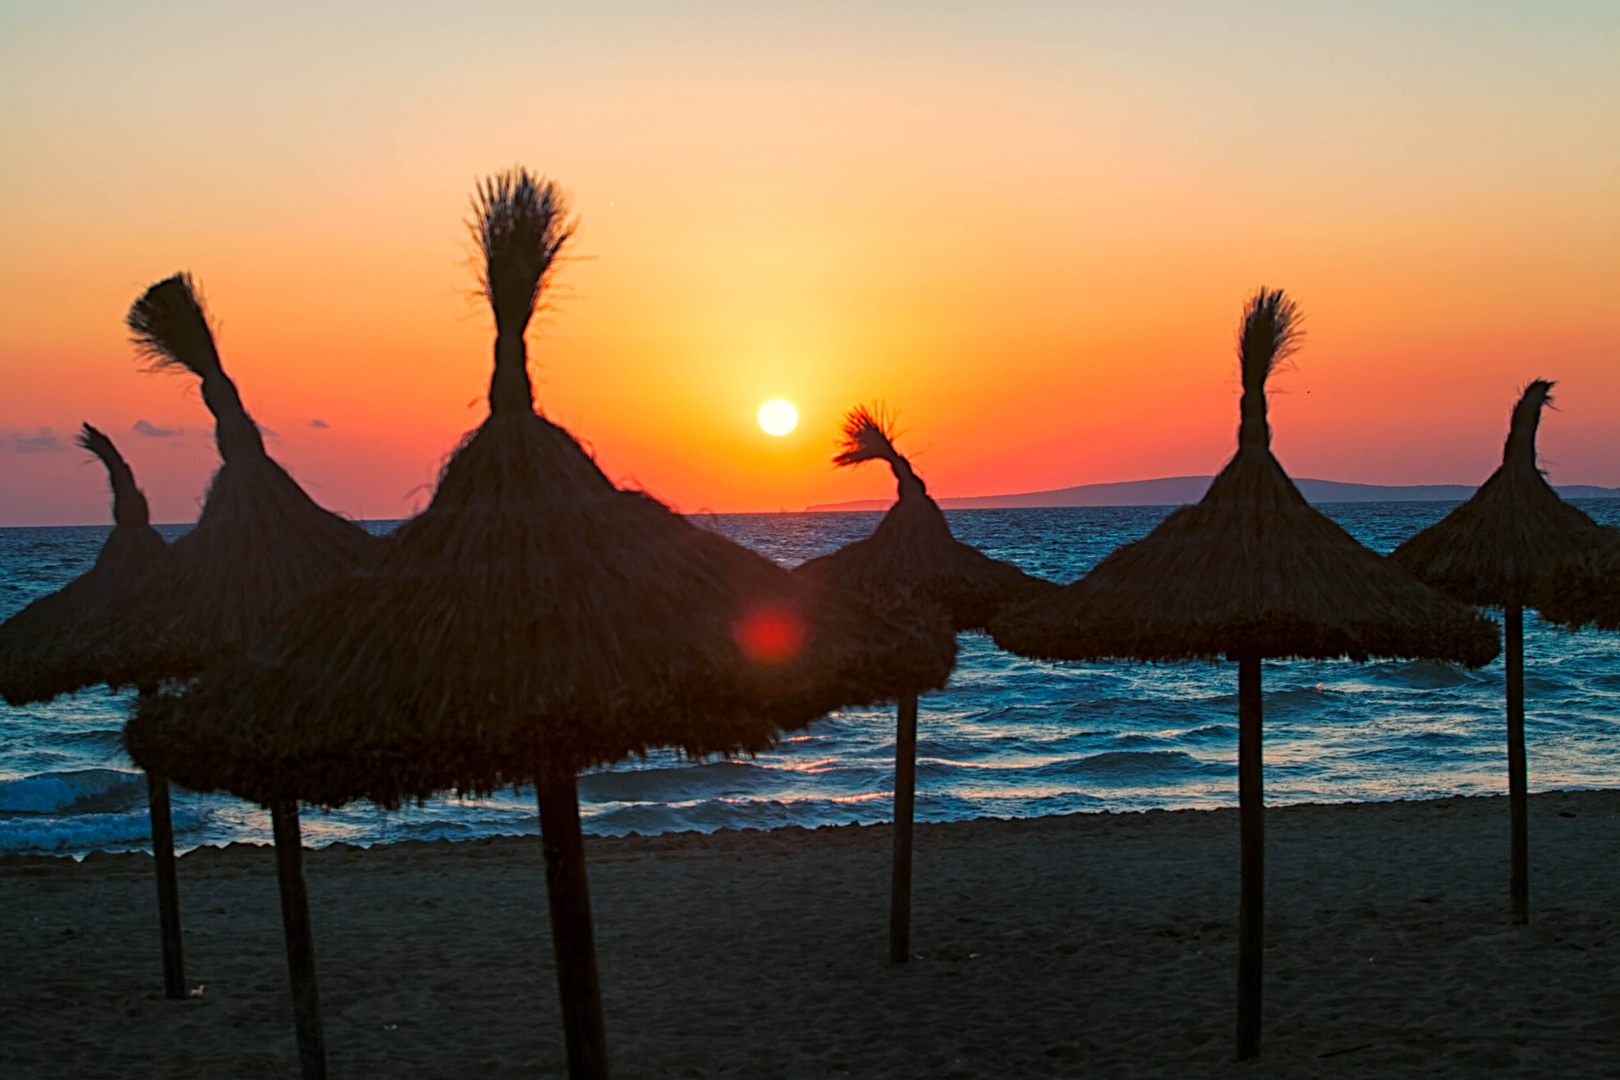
[1009, 737]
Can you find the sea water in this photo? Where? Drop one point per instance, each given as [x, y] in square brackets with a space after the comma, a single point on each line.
[1008, 737]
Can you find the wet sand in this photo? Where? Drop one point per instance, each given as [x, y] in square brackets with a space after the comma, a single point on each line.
[1088, 945]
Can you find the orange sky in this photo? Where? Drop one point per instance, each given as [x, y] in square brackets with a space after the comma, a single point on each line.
[1028, 227]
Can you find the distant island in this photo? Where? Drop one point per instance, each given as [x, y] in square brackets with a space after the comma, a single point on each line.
[1176, 490]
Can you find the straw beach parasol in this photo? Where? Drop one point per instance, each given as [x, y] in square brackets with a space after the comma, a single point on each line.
[1496, 550]
[533, 621]
[1251, 571]
[912, 560]
[50, 647]
[259, 544]
[53, 646]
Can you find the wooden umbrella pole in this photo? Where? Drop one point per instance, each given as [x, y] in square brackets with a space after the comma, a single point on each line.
[905, 801]
[573, 941]
[300, 941]
[1251, 812]
[168, 889]
[1518, 780]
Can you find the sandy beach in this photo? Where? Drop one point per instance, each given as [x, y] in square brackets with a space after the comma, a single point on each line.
[1087, 945]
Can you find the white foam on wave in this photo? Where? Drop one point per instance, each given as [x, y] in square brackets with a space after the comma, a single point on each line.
[87, 832]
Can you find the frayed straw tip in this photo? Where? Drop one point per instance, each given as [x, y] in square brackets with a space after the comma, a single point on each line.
[868, 433]
[169, 326]
[520, 222]
[1539, 391]
[92, 439]
[1527, 410]
[1270, 332]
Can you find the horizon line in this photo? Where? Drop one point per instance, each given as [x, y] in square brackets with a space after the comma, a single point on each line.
[1176, 491]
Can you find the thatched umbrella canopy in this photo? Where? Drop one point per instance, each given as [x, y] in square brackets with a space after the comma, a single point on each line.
[1251, 571]
[55, 646]
[912, 560]
[535, 620]
[260, 543]
[50, 647]
[912, 557]
[1497, 550]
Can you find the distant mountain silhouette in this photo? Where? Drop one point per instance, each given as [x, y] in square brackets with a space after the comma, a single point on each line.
[1176, 490]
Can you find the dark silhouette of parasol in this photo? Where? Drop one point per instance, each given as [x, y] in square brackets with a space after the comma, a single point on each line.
[1496, 550]
[912, 560]
[55, 646]
[533, 621]
[1251, 571]
[260, 544]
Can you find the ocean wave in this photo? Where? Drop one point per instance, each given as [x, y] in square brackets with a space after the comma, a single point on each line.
[1300, 698]
[1153, 711]
[1210, 732]
[77, 791]
[678, 784]
[1439, 738]
[1134, 740]
[101, 739]
[1143, 765]
[972, 746]
[1419, 675]
[1426, 753]
[87, 832]
[713, 814]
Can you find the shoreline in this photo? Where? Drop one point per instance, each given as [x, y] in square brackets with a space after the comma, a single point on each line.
[34, 855]
[1091, 943]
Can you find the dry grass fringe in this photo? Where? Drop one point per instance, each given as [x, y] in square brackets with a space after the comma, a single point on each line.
[1583, 589]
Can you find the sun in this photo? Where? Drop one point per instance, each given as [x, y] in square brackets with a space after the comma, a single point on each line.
[778, 417]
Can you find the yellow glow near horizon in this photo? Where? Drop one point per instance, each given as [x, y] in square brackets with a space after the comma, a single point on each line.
[778, 417]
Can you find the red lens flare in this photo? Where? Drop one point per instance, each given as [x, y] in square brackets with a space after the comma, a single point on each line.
[770, 634]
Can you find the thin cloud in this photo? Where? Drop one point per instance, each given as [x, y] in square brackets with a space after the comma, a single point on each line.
[321, 424]
[151, 430]
[41, 441]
